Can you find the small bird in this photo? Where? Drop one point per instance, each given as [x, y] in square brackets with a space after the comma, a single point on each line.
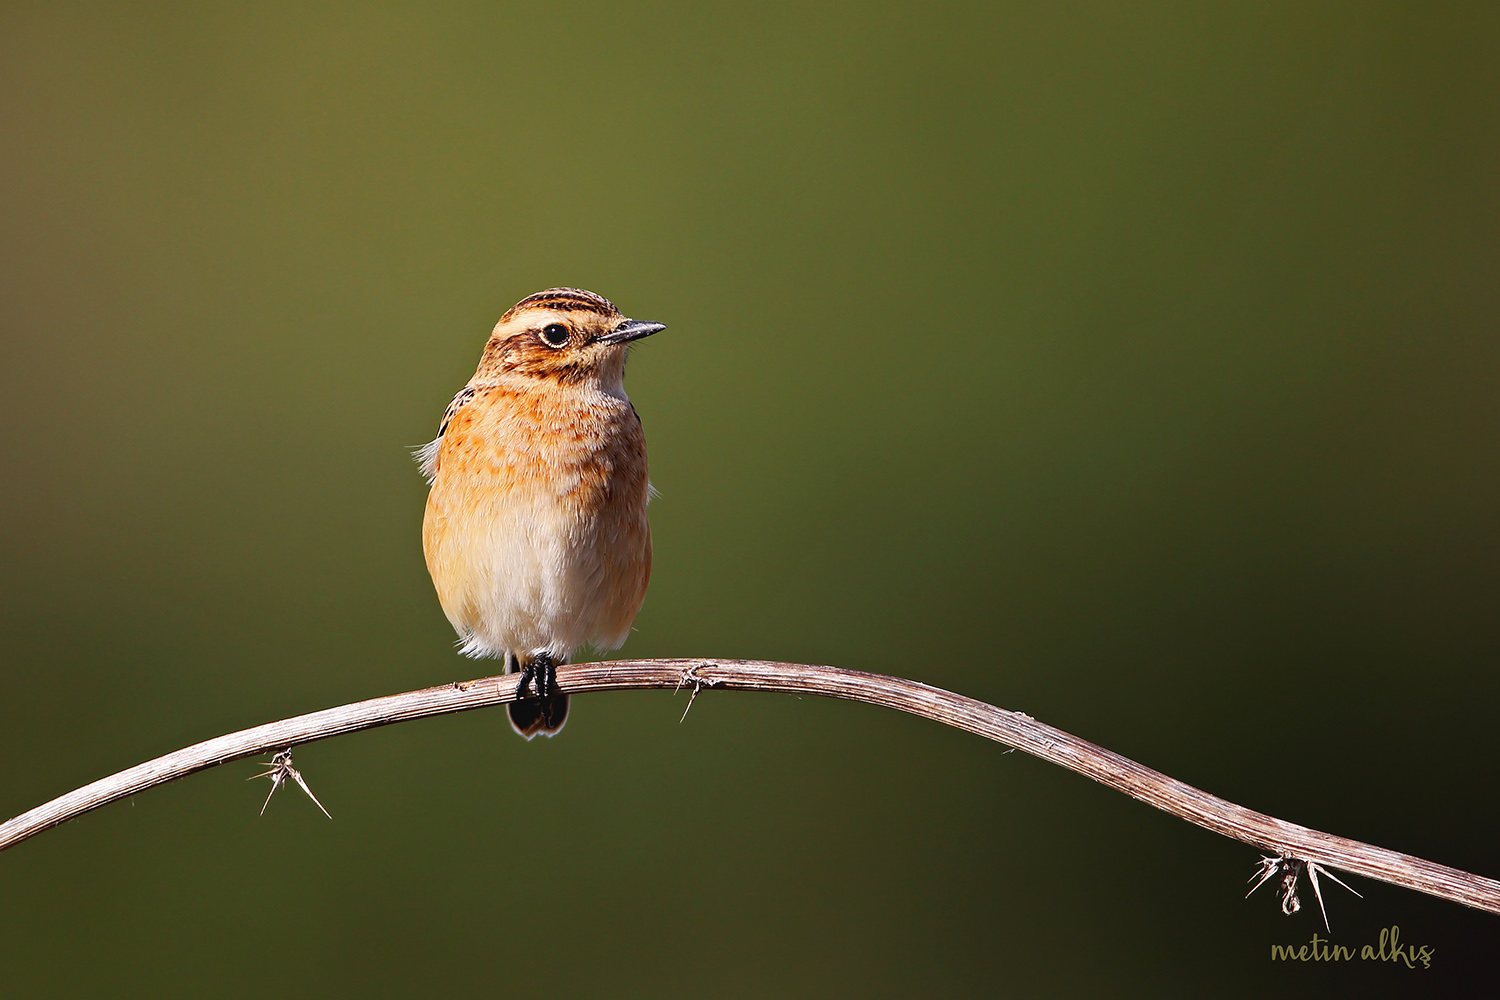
[535, 532]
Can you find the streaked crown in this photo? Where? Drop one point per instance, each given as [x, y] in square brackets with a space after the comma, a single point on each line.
[565, 299]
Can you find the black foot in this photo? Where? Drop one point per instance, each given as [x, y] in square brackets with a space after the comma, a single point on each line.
[546, 676]
[541, 669]
[527, 673]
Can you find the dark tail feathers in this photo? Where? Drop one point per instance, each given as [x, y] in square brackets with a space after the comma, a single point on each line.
[539, 716]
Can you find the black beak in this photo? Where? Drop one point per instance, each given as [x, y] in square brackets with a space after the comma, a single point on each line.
[631, 329]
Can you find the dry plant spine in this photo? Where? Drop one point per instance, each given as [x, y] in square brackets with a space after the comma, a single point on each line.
[279, 770]
[1292, 869]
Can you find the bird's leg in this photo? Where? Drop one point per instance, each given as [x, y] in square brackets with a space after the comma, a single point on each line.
[542, 669]
[546, 675]
[527, 673]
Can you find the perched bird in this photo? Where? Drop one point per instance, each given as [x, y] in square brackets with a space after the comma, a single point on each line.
[535, 532]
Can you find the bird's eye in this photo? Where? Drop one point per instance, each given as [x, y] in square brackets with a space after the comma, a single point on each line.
[555, 334]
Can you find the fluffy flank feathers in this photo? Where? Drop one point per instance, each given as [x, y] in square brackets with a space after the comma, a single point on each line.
[426, 458]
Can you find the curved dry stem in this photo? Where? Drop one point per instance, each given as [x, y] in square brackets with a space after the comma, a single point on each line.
[1014, 729]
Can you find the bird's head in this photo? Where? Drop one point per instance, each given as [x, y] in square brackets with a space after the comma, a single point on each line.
[563, 336]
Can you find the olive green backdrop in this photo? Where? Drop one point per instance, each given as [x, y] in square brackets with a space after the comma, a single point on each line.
[1134, 366]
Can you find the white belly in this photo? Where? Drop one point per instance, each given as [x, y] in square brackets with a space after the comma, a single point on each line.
[533, 573]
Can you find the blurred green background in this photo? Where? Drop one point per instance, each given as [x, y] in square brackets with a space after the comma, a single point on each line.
[1130, 365]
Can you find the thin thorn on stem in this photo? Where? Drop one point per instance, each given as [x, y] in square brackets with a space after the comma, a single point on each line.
[699, 682]
[1291, 869]
[279, 770]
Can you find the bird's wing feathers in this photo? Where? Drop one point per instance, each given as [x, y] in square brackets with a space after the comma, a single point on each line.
[426, 455]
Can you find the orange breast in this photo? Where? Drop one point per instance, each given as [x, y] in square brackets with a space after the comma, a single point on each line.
[535, 532]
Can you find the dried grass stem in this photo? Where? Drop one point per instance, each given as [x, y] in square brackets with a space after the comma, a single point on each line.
[1014, 729]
